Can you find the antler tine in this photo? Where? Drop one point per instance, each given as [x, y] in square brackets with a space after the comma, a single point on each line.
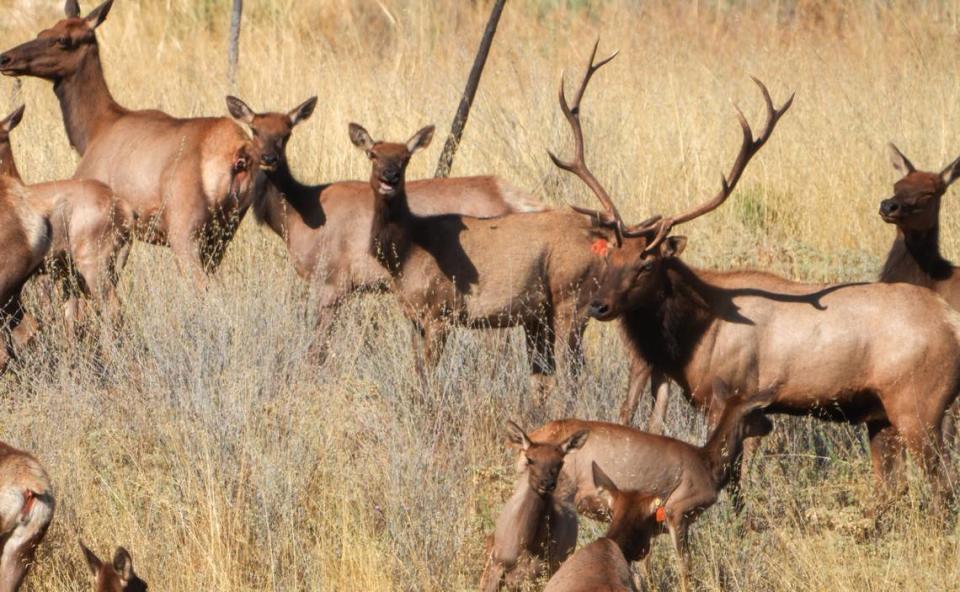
[748, 148]
[578, 166]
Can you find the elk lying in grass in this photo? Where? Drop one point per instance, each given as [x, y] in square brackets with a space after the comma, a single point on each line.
[534, 533]
[886, 355]
[88, 232]
[116, 576]
[687, 478]
[26, 509]
[604, 564]
[188, 180]
[450, 270]
[326, 227]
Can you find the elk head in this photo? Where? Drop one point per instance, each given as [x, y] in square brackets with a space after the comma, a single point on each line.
[740, 411]
[117, 576]
[59, 51]
[634, 269]
[633, 515]
[389, 160]
[543, 460]
[271, 131]
[915, 204]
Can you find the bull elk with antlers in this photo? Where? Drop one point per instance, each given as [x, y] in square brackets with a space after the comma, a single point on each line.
[26, 510]
[887, 355]
[87, 228]
[187, 180]
[327, 227]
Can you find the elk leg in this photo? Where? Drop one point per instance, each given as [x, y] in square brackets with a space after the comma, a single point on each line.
[429, 339]
[18, 552]
[569, 342]
[640, 373]
[22, 335]
[660, 389]
[924, 441]
[886, 457]
[678, 533]
[540, 355]
[186, 247]
[330, 299]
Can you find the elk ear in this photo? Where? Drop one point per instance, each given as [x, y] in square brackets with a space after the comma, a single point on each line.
[71, 9]
[240, 110]
[517, 436]
[12, 120]
[420, 140]
[951, 173]
[303, 112]
[123, 564]
[673, 246]
[575, 441]
[93, 562]
[606, 489]
[899, 161]
[98, 14]
[360, 137]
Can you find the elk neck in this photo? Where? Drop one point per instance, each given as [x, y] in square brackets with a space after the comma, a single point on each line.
[86, 102]
[915, 258]
[279, 200]
[666, 330]
[391, 230]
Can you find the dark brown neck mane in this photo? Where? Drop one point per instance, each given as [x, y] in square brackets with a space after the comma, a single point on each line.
[278, 199]
[915, 259]
[86, 102]
[390, 235]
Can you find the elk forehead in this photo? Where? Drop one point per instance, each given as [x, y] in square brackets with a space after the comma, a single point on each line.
[272, 125]
[389, 151]
[919, 182]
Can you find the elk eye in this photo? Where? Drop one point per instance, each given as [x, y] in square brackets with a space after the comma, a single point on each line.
[529, 461]
[63, 41]
[648, 266]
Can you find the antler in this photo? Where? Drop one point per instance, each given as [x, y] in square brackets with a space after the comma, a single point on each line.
[748, 149]
[610, 216]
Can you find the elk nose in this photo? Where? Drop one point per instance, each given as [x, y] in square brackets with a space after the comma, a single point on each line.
[269, 159]
[599, 309]
[5, 59]
[888, 207]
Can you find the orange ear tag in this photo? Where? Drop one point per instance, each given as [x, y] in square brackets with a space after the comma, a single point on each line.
[600, 247]
[661, 514]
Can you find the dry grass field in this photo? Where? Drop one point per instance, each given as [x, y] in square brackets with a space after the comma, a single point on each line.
[210, 446]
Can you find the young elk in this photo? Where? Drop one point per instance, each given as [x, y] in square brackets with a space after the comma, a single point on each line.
[117, 576]
[604, 564]
[687, 478]
[534, 533]
[887, 355]
[327, 227]
[188, 180]
[88, 231]
[26, 509]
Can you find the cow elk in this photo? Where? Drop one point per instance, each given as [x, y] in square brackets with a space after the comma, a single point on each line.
[604, 564]
[534, 533]
[115, 576]
[687, 478]
[87, 231]
[886, 355]
[326, 227]
[187, 180]
[26, 509]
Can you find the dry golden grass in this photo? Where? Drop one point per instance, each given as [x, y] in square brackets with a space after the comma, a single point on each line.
[224, 460]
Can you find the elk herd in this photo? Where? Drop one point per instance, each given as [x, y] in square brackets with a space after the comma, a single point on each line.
[477, 252]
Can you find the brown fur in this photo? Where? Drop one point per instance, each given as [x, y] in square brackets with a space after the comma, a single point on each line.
[531, 270]
[534, 532]
[688, 478]
[89, 231]
[327, 227]
[26, 509]
[187, 180]
[115, 576]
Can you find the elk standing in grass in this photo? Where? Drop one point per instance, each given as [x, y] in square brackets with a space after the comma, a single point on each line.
[187, 180]
[26, 509]
[115, 576]
[327, 227]
[604, 564]
[88, 232]
[687, 478]
[887, 355]
[534, 533]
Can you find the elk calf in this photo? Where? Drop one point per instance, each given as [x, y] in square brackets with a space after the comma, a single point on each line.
[534, 532]
[116, 576]
[604, 564]
[26, 509]
[88, 232]
[688, 478]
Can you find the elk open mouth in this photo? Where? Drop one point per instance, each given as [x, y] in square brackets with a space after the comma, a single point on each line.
[270, 168]
[890, 218]
[386, 188]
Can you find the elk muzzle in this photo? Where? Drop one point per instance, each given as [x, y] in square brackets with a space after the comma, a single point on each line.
[890, 210]
[600, 310]
[269, 162]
